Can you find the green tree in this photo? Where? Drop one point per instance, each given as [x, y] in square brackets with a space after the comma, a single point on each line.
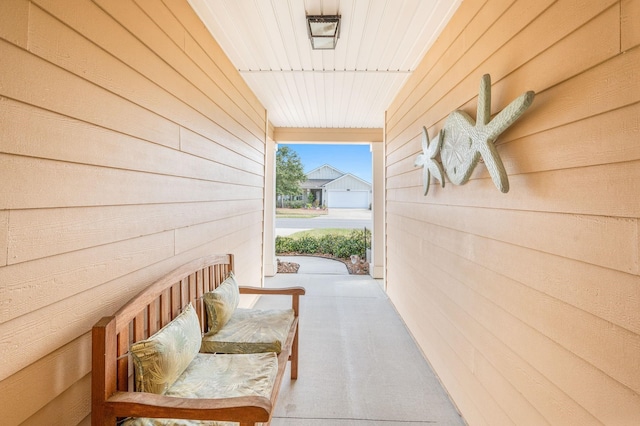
[289, 173]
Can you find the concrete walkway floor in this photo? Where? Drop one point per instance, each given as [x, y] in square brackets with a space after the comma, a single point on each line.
[358, 364]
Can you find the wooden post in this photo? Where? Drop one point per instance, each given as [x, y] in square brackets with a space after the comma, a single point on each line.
[103, 371]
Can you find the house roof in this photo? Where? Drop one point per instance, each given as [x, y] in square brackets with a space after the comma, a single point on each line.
[314, 183]
[327, 182]
[348, 176]
[340, 172]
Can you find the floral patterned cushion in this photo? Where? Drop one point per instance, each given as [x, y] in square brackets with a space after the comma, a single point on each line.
[221, 303]
[220, 376]
[251, 331]
[163, 357]
[175, 422]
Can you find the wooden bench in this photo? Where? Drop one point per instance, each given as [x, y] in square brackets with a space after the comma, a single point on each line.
[113, 394]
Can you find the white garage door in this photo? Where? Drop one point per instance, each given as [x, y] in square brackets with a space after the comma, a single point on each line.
[348, 199]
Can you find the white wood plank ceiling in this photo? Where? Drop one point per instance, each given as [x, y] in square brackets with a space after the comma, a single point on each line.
[381, 43]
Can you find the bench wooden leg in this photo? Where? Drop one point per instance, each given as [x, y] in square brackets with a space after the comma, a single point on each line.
[294, 357]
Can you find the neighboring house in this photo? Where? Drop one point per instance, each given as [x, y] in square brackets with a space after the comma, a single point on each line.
[335, 189]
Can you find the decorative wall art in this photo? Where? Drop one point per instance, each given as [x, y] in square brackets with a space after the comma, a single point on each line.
[462, 142]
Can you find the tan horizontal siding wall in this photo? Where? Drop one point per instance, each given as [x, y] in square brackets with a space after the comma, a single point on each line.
[527, 304]
[129, 145]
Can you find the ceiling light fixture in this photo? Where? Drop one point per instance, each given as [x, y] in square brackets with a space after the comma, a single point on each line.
[324, 31]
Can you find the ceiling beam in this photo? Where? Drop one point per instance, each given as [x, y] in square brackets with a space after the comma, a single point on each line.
[331, 135]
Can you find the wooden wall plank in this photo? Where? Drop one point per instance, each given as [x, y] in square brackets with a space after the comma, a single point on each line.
[246, 253]
[77, 184]
[210, 68]
[31, 80]
[533, 282]
[131, 17]
[33, 285]
[14, 15]
[630, 15]
[433, 327]
[66, 139]
[86, 421]
[510, 371]
[237, 89]
[594, 240]
[30, 337]
[109, 148]
[165, 20]
[543, 354]
[612, 83]
[510, 31]
[507, 400]
[513, 61]
[201, 146]
[617, 352]
[57, 43]
[586, 287]
[547, 397]
[472, 30]
[24, 394]
[193, 236]
[120, 43]
[39, 233]
[620, 128]
[4, 237]
[441, 46]
[607, 190]
[70, 408]
[216, 65]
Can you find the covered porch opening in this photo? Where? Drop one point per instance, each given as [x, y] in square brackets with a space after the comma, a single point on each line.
[374, 138]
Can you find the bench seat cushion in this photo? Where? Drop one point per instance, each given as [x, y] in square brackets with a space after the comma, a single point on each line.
[251, 331]
[219, 376]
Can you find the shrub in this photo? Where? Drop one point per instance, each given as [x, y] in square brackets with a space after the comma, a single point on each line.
[346, 246]
[306, 245]
[297, 204]
[340, 246]
[326, 243]
[284, 245]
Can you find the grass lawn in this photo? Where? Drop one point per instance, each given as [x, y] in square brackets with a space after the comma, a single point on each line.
[299, 213]
[320, 232]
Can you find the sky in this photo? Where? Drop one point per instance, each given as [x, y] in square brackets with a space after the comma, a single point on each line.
[354, 159]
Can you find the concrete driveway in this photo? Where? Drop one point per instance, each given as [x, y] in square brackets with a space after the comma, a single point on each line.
[356, 214]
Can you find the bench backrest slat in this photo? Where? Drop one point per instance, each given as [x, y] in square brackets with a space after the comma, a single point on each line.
[123, 361]
[139, 326]
[152, 318]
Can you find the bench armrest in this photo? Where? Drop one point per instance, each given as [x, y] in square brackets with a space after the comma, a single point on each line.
[292, 291]
[142, 404]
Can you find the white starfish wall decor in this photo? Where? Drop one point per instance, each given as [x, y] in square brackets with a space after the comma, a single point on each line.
[464, 142]
[427, 160]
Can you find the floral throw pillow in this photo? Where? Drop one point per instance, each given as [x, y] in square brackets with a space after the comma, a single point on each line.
[221, 303]
[161, 359]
